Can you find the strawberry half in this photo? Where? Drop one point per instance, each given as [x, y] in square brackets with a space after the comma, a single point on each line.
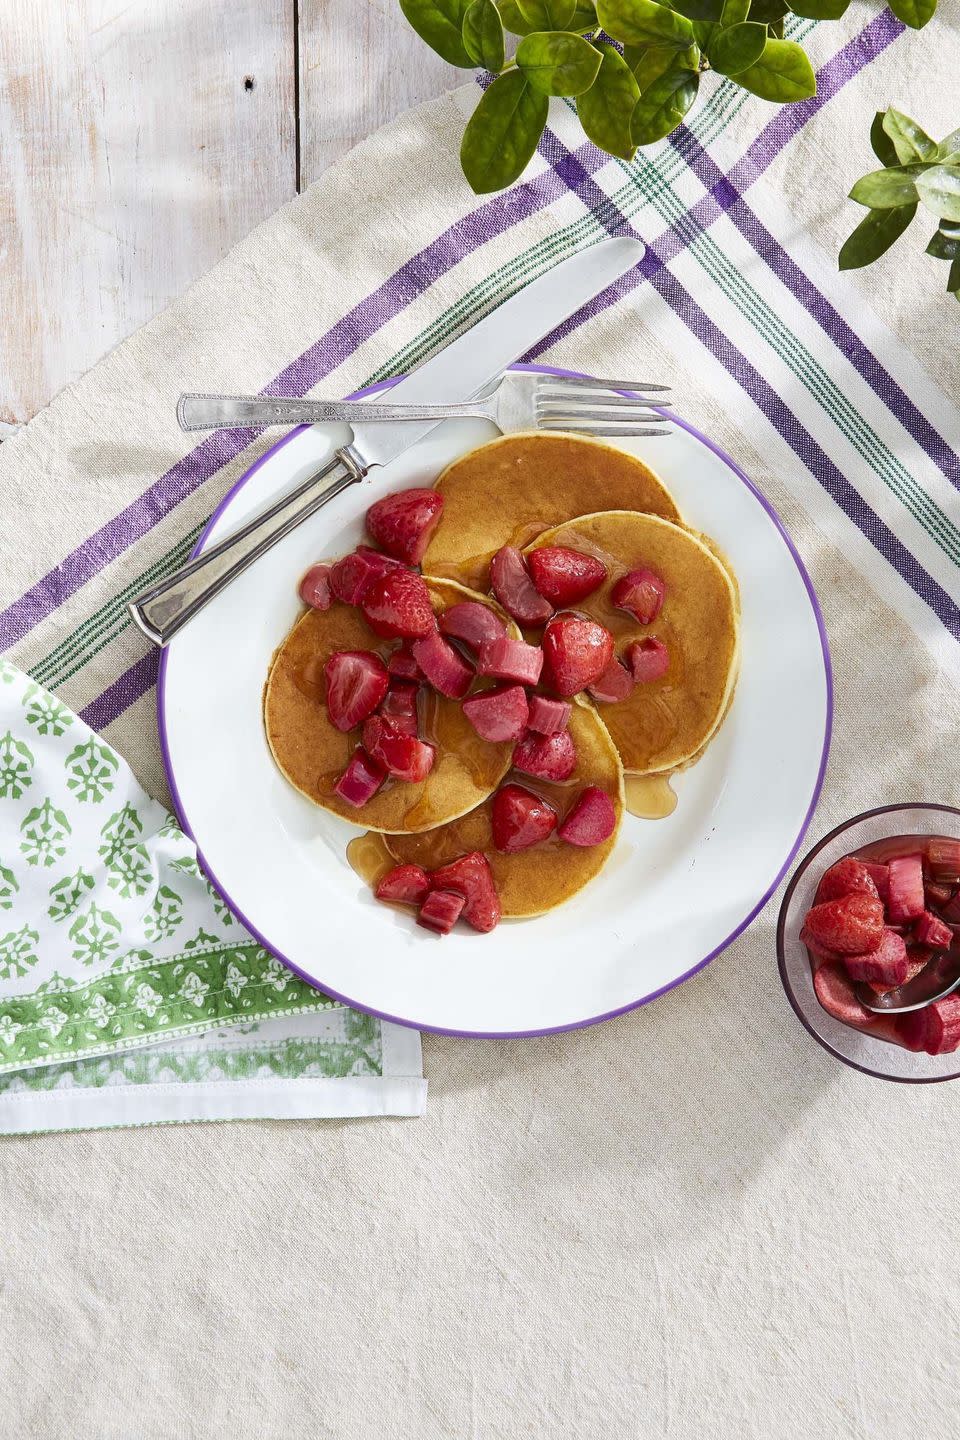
[473, 623]
[592, 820]
[515, 590]
[906, 900]
[441, 910]
[402, 664]
[403, 756]
[400, 706]
[846, 878]
[507, 659]
[935, 1029]
[520, 819]
[564, 576]
[880, 875]
[350, 577]
[357, 681]
[576, 651]
[444, 667]
[405, 884]
[822, 952]
[851, 925]
[932, 931]
[360, 781]
[500, 714]
[615, 684]
[471, 877]
[648, 659]
[548, 717]
[314, 588]
[640, 593]
[397, 605]
[404, 523]
[551, 757]
[886, 965]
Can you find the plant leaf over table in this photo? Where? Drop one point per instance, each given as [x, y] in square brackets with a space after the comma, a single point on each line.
[916, 171]
[635, 91]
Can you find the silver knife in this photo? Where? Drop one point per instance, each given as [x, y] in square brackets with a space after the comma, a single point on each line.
[458, 372]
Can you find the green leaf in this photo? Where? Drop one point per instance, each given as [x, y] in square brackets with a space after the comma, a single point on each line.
[880, 141]
[939, 189]
[914, 13]
[547, 14]
[953, 279]
[735, 49]
[643, 22]
[775, 30]
[440, 23]
[783, 72]
[483, 35]
[606, 109]
[734, 12]
[883, 189]
[658, 59]
[698, 9]
[874, 235]
[949, 144]
[766, 12]
[944, 246]
[909, 141]
[502, 132]
[661, 108]
[703, 32]
[512, 19]
[584, 16]
[819, 9]
[558, 63]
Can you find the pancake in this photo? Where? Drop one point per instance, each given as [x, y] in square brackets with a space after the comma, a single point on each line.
[507, 492]
[532, 881]
[313, 754]
[664, 724]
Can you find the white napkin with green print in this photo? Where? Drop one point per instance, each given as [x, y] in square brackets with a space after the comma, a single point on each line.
[129, 993]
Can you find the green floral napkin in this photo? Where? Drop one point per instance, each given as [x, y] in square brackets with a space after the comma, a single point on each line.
[128, 990]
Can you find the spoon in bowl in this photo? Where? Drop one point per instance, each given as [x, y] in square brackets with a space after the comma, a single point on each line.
[938, 978]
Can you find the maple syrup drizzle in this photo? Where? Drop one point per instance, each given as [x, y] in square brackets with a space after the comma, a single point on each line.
[651, 797]
[368, 857]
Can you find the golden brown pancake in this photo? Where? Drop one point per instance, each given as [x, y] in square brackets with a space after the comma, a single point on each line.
[532, 881]
[507, 492]
[666, 723]
[313, 754]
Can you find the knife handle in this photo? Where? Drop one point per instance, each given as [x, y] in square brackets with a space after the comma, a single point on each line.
[232, 412]
[167, 606]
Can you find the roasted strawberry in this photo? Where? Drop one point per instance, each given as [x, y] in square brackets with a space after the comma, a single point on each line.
[350, 577]
[442, 665]
[473, 623]
[471, 877]
[615, 684]
[441, 910]
[846, 878]
[822, 952]
[906, 898]
[548, 717]
[400, 706]
[403, 756]
[405, 884]
[592, 820]
[402, 664]
[887, 964]
[314, 589]
[361, 779]
[640, 593]
[564, 576]
[648, 659]
[930, 930]
[551, 757]
[520, 818]
[404, 523]
[943, 860]
[515, 590]
[499, 714]
[851, 925]
[880, 875]
[357, 681]
[397, 605]
[935, 1028]
[576, 651]
[507, 659]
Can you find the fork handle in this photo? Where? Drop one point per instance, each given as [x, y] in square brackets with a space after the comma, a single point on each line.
[167, 606]
[231, 412]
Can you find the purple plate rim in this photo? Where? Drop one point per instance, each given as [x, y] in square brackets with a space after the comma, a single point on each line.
[593, 1019]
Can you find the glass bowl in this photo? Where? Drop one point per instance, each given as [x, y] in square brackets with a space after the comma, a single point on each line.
[864, 1052]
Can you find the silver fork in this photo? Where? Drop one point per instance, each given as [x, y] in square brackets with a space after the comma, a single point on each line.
[585, 406]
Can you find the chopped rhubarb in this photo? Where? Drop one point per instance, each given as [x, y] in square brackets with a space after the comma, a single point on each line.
[515, 590]
[473, 623]
[915, 963]
[906, 900]
[834, 990]
[471, 877]
[880, 875]
[441, 910]
[400, 706]
[404, 523]
[564, 576]
[350, 577]
[592, 820]
[951, 911]
[886, 965]
[551, 757]
[507, 659]
[935, 1029]
[548, 717]
[943, 859]
[314, 589]
[932, 931]
[402, 664]
[360, 781]
[357, 681]
[520, 819]
[641, 594]
[397, 605]
[936, 895]
[576, 651]
[403, 756]
[406, 884]
[615, 684]
[648, 659]
[851, 925]
[499, 714]
[442, 665]
[846, 878]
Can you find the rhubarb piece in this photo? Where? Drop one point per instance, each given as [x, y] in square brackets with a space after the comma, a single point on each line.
[397, 605]
[357, 681]
[551, 757]
[520, 819]
[403, 756]
[404, 523]
[473, 623]
[641, 594]
[847, 877]
[350, 577]
[615, 684]
[441, 910]
[576, 651]
[930, 930]
[886, 965]
[936, 895]
[648, 659]
[851, 925]
[548, 717]
[915, 963]
[400, 706]
[444, 667]
[515, 590]
[935, 1029]
[906, 900]
[499, 714]
[402, 664]
[834, 990]
[564, 576]
[880, 875]
[471, 877]
[406, 884]
[361, 779]
[951, 911]
[507, 659]
[592, 820]
[943, 859]
[314, 588]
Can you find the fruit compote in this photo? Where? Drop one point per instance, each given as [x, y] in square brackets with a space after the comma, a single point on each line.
[881, 914]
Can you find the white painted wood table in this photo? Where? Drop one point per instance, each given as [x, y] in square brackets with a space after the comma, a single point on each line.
[139, 139]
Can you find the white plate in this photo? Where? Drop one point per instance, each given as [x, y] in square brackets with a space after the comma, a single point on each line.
[673, 894]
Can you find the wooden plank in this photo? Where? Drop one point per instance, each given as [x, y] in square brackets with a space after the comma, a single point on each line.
[360, 66]
[139, 139]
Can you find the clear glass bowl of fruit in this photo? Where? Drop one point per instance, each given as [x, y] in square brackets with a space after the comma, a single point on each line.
[874, 911]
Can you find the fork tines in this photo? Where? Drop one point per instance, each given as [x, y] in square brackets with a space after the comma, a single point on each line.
[591, 406]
